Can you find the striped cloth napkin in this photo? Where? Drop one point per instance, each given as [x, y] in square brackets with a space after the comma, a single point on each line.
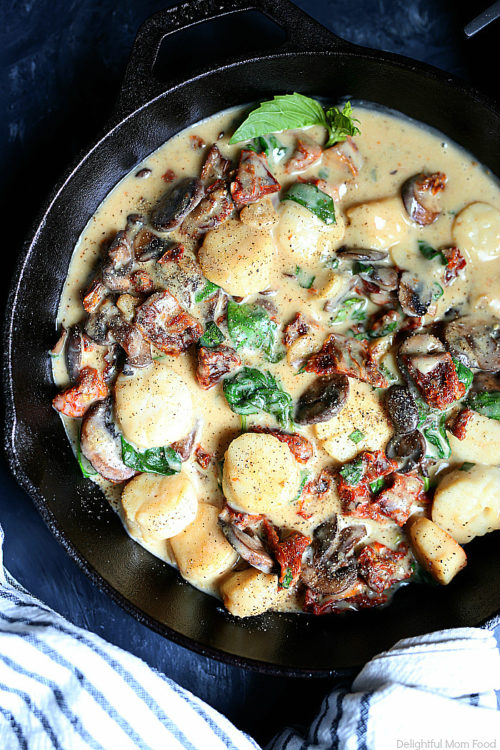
[63, 688]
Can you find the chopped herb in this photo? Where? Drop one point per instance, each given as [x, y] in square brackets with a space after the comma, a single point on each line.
[331, 263]
[304, 476]
[359, 267]
[296, 111]
[304, 278]
[207, 291]
[423, 410]
[159, 356]
[86, 467]
[430, 252]
[163, 460]
[427, 483]
[356, 436]
[465, 375]
[377, 485]
[466, 466]
[352, 472]
[385, 330]
[288, 578]
[436, 436]
[212, 337]
[270, 146]
[251, 391]
[315, 200]
[437, 290]
[486, 403]
[353, 305]
[251, 327]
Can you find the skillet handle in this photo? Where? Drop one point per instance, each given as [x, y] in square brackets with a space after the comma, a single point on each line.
[139, 86]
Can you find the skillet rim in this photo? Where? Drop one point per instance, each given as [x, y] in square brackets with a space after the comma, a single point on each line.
[422, 69]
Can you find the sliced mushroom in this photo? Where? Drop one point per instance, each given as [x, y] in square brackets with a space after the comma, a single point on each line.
[332, 569]
[148, 246]
[58, 347]
[215, 167]
[420, 195]
[176, 204]
[385, 277]
[402, 409]
[475, 341]
[74, 352]
[322, 400]
[100, 443]
[209, 214]
[98, 324]
[408, 450]
[163, 322]
[116, 271]
[248, 545]
[415, 296]
[361, 253]
[185, 446]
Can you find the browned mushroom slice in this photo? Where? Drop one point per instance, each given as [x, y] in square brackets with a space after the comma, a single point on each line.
[402, 409]
[60, 344]
[295, 329]
[475, 341]
[415, 296]
[148, 246]
[216, 167]
[253, 179]
[322, 400]
[420, 195]
[137, 349]
[185, 446]
[116, 271]
[333, 569]
[100, 443]
[176, 204]
[347, 356]
[362, 254]
[247, 544]
[75, 346]
[408, 450]
[209, 214]
[164, 323]
[98, 324]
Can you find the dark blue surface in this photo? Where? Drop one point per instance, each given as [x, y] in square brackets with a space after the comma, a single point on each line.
[61, 67]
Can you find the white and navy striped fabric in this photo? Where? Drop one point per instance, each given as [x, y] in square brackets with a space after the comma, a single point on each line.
[63, 688]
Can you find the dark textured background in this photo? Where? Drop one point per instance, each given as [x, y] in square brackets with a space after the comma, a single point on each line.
[61, 65]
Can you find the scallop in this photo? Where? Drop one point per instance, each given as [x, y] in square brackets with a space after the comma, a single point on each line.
[153, 406]
[303, 238]
[476, 231]
[237, 258]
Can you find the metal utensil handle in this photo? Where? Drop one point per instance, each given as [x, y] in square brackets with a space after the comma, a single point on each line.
[139, 85]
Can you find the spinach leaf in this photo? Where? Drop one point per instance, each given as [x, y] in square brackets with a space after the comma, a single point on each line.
[359, 267]
[353, 472]
[356, 436]
[288, 578]
[207, 291]
[430, 252]
[377, 485]
[153, 460]
[423, 409]
[250, 326]
[270, 146]
[312, 198]
[436, 436]
[304, 278]
[304, 476]
[437, 291]
[465, 375]
[296, 111]
[331, 263]
[486, 403]
[466, 466]
[86, 467]
[212, 337]
[353, 306]
[251, 391]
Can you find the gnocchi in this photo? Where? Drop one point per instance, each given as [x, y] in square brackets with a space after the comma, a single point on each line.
[436, 550]
[305, 239]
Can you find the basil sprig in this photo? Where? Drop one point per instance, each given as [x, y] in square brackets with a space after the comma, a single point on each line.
[297, 111]
[315, 200]
[163, 460]
[486, 403]
[251, 391]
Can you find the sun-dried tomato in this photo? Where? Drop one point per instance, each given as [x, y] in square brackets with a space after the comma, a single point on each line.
[202, 457]
[242, 520]
[94, 296]
[295, 329]
[168, 176]
[318, 604]
[173, 253]
[197, 142]
[164, 323]
[288, 553]
[433, 183]
[307, 152]
[213, 364]
[458, 425]
[347, 356]
[395, 501]
[381, 567]
[357, 498]
[253, 179]
[455, 263]
[142, 282]
[320, 484]
[299, 446]
[440, 386]
[75, 401]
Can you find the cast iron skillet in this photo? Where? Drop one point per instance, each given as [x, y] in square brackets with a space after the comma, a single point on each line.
[312, 61]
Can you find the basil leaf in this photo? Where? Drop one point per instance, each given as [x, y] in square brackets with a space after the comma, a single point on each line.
[251, 391]
[340, 124]
[465, 375]
[85, 466]
[312, 198]
[356, 436]
[304, 278]
[486, 403]
[377, 485]
[430, 252]
[353, 472]
[207, 291]
[435, 434]
[164, 461]
[281, 113]
[250, 326]
[212, 337]
[270, 146]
